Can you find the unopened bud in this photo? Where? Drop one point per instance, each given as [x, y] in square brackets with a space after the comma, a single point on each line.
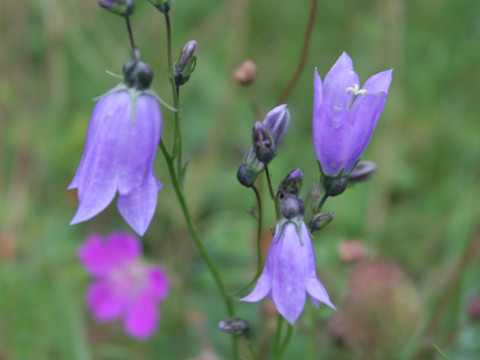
[162, 5]
[333, 185]
[292, 207]
[119, 7]
[277, 122]
[263, 142]
[291, 184]
[246, 73]
[247, 172]
[185, 62]
[319, 221]
[235, 326]
[363, 171]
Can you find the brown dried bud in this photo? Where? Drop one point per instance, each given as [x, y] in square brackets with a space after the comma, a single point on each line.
[246, 73]
[474, 308]
[351, 251]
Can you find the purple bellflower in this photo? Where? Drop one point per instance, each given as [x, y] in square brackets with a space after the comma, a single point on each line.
[122, 140]
[289, 273]
[345, 115]
[124, 286]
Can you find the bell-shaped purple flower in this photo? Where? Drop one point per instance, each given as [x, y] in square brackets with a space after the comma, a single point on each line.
[289, 273]
[119, 152]
[345, 115]
[124, 287]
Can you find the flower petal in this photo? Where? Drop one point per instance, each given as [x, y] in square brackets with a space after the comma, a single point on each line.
[318, 293]
[97, 173]
[379, 82]
[138, 143]
[288, 274]
[340, 77]
[142, 317]
[264, 283]
[123, 247]
[332, 137]
[366, 111]
[95, 256]
[105, 301]
[317, 91]
[138, 207]
[158, 284]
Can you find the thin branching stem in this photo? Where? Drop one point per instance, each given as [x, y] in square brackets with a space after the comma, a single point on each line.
[177, 142]
[269, 181]
[303, 57]
[130, 34]
[198, 242]
[259, 243]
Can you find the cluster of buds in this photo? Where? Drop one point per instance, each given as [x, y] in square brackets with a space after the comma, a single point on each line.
[267, 137]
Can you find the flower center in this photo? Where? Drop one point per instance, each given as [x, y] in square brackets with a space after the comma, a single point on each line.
[355, 90]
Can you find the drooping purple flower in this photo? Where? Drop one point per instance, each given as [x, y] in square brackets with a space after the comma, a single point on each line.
[345, 115]
[124, 286]
[289, 273]
[119, 152]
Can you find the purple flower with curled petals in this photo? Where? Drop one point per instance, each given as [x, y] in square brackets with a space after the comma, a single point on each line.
[124, 286]
[345, 115]
[122, 140]
[289, 273]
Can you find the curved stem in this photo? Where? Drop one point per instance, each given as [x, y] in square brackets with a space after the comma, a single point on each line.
[278, 335]
[259, 243]
[286, 340]
[177, 142]
[193, 231]
[303, 57]
[269, 181]
[130, 34]
[318, 208]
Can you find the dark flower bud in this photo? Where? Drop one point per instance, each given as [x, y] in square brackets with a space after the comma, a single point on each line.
[119, 7]
[235, 326]
[138, 74]
[185, 62]
[247, 172]
[162, 5]
[291, 184]
[363, 171]
[292, 207]
[246, 73]
[263, 142]
[333, 186]
[319, 221]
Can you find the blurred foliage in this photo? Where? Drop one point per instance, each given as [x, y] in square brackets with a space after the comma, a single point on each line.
[421, 209]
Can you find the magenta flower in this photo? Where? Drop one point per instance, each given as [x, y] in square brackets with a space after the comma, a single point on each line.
[119, 153]
[124, 286]
[289, 273]
[345, 115]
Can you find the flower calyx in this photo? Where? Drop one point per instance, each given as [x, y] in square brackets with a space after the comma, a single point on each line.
[162, 5]
[119, 7]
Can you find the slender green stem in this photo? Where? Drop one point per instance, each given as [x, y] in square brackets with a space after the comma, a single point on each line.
[177, 142]
[193, 231]
[269, 181]
[286, 340]
[198, 242]
[303, 57]
[130, 34]
[278, 336]
[259, 242]
[318, 208]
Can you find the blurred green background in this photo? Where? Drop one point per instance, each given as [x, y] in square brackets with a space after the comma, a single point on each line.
[421, 209]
